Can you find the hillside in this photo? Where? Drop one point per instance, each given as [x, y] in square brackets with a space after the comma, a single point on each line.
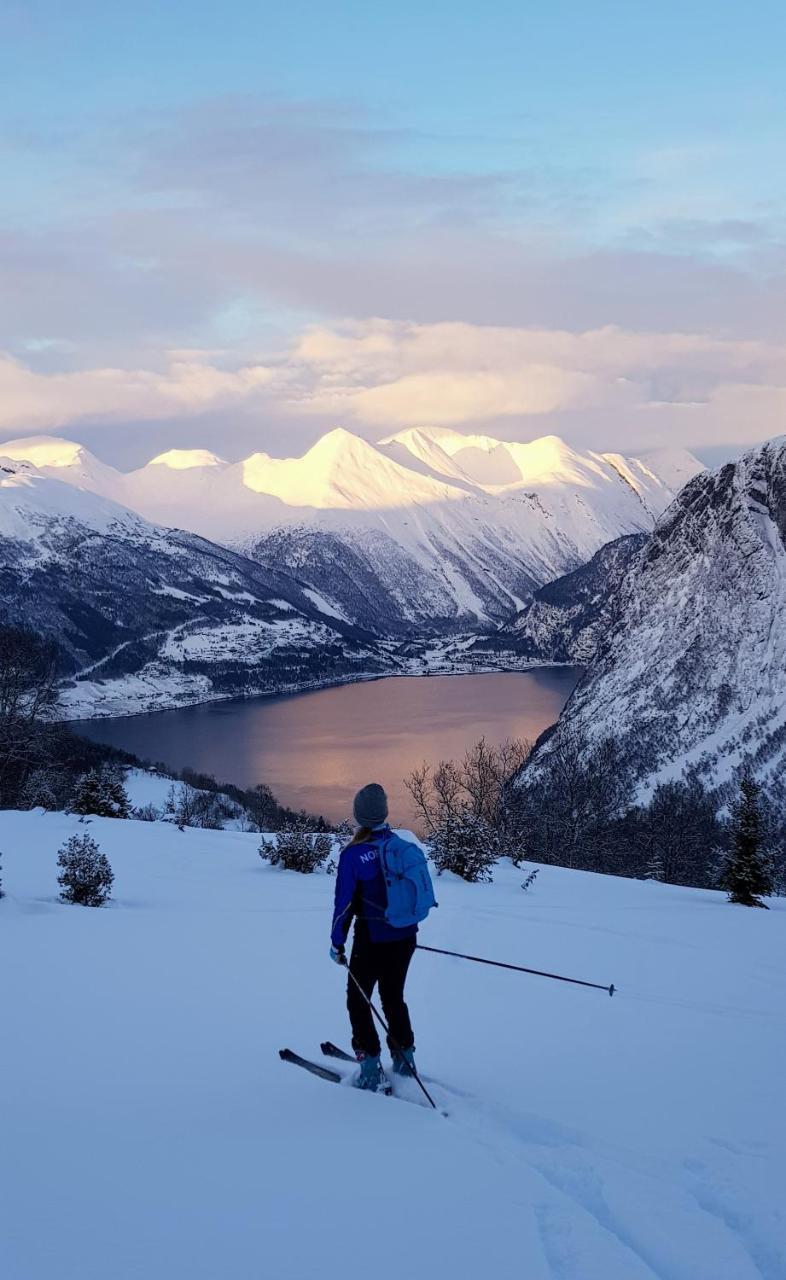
[428, 531]
[143, 1102]
[568, 619]
[692, 672]
[147, 617]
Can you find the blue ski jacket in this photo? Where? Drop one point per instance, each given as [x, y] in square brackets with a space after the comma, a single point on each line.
[361, 893]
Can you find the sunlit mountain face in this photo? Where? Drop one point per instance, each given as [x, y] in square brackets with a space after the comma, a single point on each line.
[427, 529]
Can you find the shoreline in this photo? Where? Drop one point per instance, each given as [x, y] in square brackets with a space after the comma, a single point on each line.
[291, 691]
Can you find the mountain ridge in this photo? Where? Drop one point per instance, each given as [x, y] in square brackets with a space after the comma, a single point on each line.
[147, 617]
[445, 532]
[690, 672]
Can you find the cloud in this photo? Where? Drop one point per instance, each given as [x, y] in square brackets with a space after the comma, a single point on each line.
[30, 400]
[605, 388]
[207, 224]
[224, 263]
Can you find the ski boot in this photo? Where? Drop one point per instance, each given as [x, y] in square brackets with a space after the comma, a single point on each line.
[371, 1077]
[403, 1061]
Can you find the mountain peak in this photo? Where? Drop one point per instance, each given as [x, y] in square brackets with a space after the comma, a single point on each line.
[44, 451]
[186, 459]
[338, 443]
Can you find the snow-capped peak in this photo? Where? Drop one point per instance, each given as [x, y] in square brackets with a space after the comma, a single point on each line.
[186, 459]
[341, 471]
[45, 451]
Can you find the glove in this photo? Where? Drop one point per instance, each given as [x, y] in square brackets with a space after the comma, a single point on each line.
[338, 955]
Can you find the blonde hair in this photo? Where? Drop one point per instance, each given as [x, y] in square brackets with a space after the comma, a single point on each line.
[361, 836]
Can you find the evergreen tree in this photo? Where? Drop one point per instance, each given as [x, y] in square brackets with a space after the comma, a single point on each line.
[101, 793]
[466, 844]
[747, 874]
[85, 874]
[343, 833]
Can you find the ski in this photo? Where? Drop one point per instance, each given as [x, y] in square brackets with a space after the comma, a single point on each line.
[316, 1068]
[331, 1050]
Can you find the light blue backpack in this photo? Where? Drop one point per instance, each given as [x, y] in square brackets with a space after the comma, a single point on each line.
[409, 888]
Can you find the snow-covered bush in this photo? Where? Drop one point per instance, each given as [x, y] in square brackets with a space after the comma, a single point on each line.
[40, 790]
[147, 813]
[530, 879]
[191, 808]
[101, 792]
[466, 844]
[296, 849]
[85, 874]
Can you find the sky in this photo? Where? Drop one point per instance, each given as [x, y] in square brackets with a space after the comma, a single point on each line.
[235, 226]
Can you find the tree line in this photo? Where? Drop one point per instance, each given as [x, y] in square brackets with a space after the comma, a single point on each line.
[43, 763]
[575, 809]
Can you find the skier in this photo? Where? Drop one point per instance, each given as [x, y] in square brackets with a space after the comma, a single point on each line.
[381, 952]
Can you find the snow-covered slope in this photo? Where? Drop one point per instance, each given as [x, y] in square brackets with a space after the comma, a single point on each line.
[429, 530]
[150, 1130]
[147, 617]
[693, 672]
[569, 618]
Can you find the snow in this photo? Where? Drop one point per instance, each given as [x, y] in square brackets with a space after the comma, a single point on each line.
[145, 786]
[30, 501]
[153, 1132]
[186, 459]
[692, 672]
[342, 471]
[324, 605]
[43, 451]
[526, 512]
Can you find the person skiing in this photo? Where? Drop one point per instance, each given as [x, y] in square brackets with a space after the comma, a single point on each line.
[380, 876]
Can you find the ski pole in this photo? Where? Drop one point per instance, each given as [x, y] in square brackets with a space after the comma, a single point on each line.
[498, 964]
[391, 1041]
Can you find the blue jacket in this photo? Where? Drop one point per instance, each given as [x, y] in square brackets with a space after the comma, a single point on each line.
[361, 893]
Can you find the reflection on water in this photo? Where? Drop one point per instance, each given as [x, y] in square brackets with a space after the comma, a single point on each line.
[316, 749]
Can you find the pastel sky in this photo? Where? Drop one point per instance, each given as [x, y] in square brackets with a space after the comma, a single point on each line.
[236, 225]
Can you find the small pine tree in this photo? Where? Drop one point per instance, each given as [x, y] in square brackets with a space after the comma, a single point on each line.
[100, 792]
[344, 832]
[747, 874]
[85, 874]
[465, 844]
[295, 849]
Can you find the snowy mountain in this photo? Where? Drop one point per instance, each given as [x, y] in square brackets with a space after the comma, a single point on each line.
[147, 617]
[566, 621]
[693, 670]
[430, 530]
[153, 1132]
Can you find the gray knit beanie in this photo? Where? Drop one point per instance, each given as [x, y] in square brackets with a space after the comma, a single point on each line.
[370, 805]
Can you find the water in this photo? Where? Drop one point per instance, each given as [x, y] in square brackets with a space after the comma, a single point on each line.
[315, 749]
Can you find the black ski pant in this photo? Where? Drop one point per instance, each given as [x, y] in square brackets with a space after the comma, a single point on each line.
[384, 964]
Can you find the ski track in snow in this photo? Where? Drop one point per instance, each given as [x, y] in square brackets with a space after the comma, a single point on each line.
[586, 1138]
